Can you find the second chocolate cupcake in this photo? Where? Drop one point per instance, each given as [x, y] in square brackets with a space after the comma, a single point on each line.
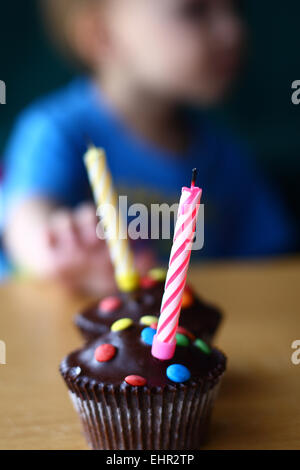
[144, 305]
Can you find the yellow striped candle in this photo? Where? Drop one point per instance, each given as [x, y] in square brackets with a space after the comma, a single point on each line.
[105, 196]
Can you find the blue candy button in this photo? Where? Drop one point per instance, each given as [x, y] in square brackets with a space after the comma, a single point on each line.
[178, 373]
[148, 335]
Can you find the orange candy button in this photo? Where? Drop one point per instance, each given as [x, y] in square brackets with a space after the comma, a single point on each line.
[187, 299]
[105, 352]
[136, 380]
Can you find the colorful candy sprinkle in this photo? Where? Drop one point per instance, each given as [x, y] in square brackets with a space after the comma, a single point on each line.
[189, 289]
[148, 335]
[187, 299]
[128, 282]
[182, 340]
[148, 320]
[199, 343]
[121, 324]
[136, 380]
[185, 332]
[178, 373]
[158, 274]
[105, 352]
[109, 304]
[147, 283]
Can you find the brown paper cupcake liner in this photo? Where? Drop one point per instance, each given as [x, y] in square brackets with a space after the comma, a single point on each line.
[139, 418]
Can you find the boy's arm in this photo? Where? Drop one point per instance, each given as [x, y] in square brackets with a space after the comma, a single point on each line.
[42, 161]
[44, 178]
[27, 238]
[42, 171]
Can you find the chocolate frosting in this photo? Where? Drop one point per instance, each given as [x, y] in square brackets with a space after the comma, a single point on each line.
[201, 318]
[133, 357]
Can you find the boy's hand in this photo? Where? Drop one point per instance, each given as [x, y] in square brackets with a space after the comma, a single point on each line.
[78, 257]
[62, 244]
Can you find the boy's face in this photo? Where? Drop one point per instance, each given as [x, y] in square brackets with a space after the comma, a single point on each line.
[186, 49]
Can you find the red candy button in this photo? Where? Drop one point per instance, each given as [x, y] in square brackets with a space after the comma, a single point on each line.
[136, 380]
[105, 352]
[189, 289]
[147, 283]
[109, 304]
[183, 331]
[154, 326]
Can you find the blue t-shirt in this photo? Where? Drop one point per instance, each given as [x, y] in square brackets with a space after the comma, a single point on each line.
[243, 217]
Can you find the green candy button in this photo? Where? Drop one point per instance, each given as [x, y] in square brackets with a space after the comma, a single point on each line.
[182, 340]
[199, 343]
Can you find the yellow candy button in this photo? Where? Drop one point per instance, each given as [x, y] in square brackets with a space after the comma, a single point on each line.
[148, 320]
[121, 324]
[158, 274]
[128, 282]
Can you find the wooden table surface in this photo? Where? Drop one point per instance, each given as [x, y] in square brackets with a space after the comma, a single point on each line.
[258, 406]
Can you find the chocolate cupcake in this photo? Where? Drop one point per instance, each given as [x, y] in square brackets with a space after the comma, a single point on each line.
[129, 400]
[143, 305]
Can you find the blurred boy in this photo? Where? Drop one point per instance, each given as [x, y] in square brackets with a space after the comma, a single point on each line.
[148, 61]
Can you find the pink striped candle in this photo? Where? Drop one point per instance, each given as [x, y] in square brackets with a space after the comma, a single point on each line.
[164, 342]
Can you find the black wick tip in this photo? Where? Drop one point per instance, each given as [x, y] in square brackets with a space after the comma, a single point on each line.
[194, 176]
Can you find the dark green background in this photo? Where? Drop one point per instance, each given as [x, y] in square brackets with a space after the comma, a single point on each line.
[260, 110]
